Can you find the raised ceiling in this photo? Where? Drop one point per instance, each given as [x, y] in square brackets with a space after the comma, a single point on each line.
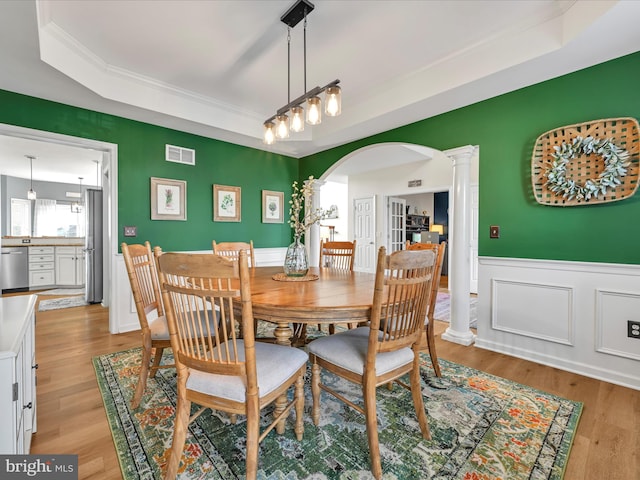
[218, 68]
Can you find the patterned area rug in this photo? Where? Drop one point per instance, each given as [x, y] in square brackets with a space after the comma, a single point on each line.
[65, 302]
[483, 427]
[443, 309]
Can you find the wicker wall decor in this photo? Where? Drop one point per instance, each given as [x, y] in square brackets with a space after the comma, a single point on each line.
[623, 133]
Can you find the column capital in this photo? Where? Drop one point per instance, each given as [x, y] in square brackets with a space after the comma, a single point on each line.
[459, 154]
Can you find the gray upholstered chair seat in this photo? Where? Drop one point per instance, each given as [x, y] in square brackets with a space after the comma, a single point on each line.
[160, 328]
[348, 350]
[274, 364]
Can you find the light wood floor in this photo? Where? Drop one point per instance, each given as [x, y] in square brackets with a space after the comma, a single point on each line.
[71, 417]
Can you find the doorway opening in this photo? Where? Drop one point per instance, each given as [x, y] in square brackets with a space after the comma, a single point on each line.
[106, 173]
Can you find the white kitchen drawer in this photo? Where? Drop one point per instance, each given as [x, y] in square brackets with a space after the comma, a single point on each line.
[66, 250]
[40, 278]
[41, 258]
[41, 266]
[40, 250]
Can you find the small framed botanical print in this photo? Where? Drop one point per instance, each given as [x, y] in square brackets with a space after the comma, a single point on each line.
[168, 199]
[272, 207]
[226, 204]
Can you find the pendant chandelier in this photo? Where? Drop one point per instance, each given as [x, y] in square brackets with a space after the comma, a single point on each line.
[76, 207]
[31, 194]
[279, 125]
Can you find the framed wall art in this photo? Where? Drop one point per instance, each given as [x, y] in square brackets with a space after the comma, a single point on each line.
[226, 204]
[168, 199]
[272, 207]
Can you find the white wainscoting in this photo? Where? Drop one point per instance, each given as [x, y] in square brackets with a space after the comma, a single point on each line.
[122, 312]
[569, 315]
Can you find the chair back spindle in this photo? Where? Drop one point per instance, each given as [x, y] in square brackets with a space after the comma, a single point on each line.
[339, 254]
[232, 250]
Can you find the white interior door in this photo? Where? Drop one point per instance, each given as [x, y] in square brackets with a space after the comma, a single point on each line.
[396, 223]
[364, 233]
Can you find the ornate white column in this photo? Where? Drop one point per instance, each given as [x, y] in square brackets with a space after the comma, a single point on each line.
[312, 236]
[460, 244]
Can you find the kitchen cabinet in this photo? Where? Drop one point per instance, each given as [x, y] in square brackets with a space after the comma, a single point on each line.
[17, 374]
[70, 266]
[41, 267]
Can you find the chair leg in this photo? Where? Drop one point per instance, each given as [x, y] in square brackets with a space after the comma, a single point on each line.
[179, 435]
[431, 343]
[416, 394]
[299, 429]
[369, 392]
[280, 405]
[253, 434]
[157, 358]
[315, 392]
[144, 372]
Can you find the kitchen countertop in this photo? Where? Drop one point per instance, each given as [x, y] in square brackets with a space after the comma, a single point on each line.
[42, 242]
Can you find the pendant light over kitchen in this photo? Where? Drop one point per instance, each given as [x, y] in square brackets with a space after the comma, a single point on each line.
[31, 194]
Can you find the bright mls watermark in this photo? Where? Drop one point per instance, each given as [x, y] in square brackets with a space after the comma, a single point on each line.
[52, 467]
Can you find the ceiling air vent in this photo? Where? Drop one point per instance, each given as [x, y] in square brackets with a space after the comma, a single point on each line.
[180, 155]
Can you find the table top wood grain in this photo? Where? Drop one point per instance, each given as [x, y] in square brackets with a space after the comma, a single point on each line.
[336, 296]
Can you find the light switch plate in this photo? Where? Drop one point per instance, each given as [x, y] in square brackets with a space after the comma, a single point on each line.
[130, 231]
[494, 231]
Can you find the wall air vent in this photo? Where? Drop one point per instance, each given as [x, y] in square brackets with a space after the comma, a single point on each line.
[182, 155]
[414, 183]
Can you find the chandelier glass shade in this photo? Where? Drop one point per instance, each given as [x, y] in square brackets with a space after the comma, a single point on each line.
[314, 111]
[282, 126]
[292, 116]
[297, 119]
[333, 101]
[269, 133]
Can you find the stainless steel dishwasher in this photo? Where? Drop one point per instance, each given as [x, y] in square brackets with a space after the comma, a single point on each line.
[14, 269]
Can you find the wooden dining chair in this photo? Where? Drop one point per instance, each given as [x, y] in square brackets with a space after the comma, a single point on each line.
[439, 249]
[143, 277]
[216, 369]
[338, 254]
[232, 250]
[387, 348]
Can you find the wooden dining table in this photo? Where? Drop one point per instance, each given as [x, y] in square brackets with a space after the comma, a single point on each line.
[337, 296]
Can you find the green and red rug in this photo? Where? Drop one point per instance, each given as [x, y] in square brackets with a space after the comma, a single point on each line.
[483, 427]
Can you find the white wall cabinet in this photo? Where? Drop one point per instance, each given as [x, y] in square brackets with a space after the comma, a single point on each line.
[41, 267]
[70, 266]
[17, 374]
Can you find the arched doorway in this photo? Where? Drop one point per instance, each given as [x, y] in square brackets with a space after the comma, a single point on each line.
[388, 168]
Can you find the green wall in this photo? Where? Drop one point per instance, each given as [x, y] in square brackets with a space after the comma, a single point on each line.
[141, 153]
[506, 128]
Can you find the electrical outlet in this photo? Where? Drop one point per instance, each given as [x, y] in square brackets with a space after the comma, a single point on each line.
[130, 231]
[633, 329]
[494, 231]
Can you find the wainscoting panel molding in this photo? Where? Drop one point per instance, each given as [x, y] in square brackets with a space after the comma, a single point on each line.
[544, 311]
[612, 314]
[568, 315]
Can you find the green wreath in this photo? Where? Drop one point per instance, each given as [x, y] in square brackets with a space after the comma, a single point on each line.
[615, 160]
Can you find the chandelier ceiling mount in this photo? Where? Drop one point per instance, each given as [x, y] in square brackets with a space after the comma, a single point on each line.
[333, 95]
